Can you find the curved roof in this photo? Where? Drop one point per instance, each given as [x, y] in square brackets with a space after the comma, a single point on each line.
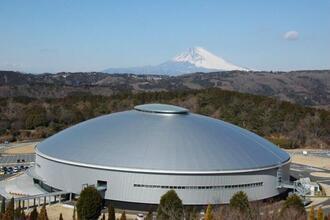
[158, 139]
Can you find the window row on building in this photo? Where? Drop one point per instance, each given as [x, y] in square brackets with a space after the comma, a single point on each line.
[245, 185]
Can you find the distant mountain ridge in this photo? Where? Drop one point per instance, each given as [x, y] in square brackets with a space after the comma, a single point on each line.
[308, 88]
[194, 60]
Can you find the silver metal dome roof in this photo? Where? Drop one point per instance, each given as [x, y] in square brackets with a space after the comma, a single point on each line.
[162, 139]
[161, 108]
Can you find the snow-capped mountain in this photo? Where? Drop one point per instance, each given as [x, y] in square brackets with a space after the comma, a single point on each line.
[195, 59]
[200, 57]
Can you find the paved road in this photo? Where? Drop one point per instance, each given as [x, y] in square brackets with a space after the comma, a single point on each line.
[300, 171]
[3, 177]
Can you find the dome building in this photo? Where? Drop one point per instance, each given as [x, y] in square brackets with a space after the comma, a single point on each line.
[136, 156]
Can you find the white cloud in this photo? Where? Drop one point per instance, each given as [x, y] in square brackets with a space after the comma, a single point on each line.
[291, 35]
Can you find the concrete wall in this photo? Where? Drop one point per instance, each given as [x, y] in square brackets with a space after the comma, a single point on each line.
[120, 185]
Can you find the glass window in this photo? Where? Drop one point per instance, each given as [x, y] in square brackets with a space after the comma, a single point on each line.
[245, 185]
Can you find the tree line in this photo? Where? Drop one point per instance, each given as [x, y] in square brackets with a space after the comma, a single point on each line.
[286, 124]
[90, 205]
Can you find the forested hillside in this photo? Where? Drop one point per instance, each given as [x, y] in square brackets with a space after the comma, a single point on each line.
[284, 123]
[307, 88]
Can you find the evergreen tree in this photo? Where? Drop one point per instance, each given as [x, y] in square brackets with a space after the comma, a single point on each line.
[294, 205]
[295, 202]
[320, 215]
[10, 212]
[123, 216]
[240, 202]
[311, 214]
[149, 216]
[34, 214]
[111, 213]
[209, 214]
[89, 204]
[43, 213]
[61, 217]
[170, 207]
[3, 205]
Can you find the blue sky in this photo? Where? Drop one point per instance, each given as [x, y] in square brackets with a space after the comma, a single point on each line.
[66, 35]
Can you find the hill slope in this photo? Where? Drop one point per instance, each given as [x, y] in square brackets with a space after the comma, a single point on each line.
[309, 88]
[284, 123]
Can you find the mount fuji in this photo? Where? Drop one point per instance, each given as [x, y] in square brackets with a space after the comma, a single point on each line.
[195, 59]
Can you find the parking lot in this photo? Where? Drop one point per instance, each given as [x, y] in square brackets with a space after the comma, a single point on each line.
[314, 153]
[17, 159]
